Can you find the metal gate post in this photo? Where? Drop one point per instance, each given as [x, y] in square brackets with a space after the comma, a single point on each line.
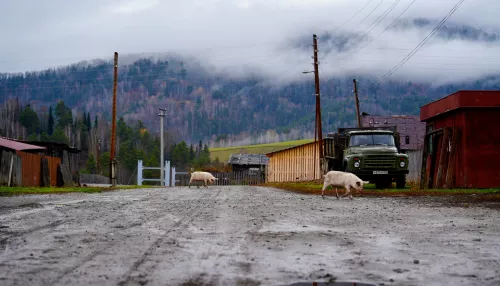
[173, 177]
[167, 173]
[139, 172]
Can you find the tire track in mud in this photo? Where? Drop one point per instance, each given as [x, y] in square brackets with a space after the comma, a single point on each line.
[186, 219]
[50, 226]
[99, 251]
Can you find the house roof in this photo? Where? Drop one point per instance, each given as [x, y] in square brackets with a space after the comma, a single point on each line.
[292, 147]
[50, 145]
[18, 146]
[406, 125]
[248, 159]
[461, 99]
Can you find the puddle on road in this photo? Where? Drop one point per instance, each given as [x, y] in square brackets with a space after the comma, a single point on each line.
[330, 284]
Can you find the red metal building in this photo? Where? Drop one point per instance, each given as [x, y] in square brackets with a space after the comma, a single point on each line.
[468, 123]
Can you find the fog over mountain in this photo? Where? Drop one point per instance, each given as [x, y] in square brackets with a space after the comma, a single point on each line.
[268, 39]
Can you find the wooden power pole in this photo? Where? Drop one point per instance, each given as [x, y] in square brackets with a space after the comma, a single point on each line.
[112, 161]
[318, 105]
[357, 103]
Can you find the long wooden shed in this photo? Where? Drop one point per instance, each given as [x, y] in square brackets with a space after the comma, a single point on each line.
[298, 163]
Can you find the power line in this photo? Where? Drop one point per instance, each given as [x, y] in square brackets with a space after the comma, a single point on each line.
[376, 22]
[414, 51]
[354, 16]
[386, 28]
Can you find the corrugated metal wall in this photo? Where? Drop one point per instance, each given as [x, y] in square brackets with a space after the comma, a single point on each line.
[32, 169]
[294, 164]
[414, 165]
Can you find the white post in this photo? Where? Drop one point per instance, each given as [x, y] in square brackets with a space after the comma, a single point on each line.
[139, 173]
[173, 177]
[167, 173]
[162, 114]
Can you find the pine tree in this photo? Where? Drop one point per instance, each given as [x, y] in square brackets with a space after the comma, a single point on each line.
[95, 122]
[192, 153]
[88, 122]
[50, 128]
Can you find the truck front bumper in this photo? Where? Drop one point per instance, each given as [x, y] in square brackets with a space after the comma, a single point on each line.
[374, 174]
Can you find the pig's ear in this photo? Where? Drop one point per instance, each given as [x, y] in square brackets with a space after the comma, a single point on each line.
[366, 182]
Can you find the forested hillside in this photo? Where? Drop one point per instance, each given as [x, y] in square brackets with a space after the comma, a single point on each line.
[201, 106]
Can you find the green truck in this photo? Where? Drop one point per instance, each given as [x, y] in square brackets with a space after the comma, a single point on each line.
[372, 154]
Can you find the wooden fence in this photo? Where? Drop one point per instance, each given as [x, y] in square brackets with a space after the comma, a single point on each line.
[93, 179]
[226, 178]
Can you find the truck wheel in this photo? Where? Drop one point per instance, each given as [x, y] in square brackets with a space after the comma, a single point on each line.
[401, 182]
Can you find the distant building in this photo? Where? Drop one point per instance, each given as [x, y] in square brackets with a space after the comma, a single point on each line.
[244, 162]
[411, 130]
[23, 164]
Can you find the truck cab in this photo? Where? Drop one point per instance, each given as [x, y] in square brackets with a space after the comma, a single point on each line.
[371, 154]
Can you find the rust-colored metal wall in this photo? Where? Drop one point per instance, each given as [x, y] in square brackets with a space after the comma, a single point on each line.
[478, 148]
[31, 168]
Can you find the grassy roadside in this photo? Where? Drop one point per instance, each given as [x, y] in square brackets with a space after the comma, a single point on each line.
[13, 191]
[224, 153]
[314, 188]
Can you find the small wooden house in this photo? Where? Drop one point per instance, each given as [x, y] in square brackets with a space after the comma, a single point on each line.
[299, 163]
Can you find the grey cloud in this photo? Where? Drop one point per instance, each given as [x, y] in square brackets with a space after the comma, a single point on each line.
[270, 39]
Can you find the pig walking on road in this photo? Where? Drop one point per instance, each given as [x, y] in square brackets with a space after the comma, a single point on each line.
[202, 176]
[338, 179]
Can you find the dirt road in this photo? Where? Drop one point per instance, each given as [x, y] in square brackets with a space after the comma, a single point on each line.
[243, 236]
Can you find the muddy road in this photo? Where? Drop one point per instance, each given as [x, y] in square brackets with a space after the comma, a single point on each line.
[243, 236]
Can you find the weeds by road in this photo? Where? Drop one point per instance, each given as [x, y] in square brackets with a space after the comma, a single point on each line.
[413, 190]
[12, 191]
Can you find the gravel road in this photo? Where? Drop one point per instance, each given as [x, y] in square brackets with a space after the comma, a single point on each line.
[234, 235]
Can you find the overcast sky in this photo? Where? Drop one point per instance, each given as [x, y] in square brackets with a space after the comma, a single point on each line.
[260, 35]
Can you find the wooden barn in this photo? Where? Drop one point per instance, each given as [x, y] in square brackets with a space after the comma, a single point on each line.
[462, 141]
[299, 163]
[28, 165]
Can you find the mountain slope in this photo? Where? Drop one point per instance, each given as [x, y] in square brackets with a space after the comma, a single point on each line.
[203, 106]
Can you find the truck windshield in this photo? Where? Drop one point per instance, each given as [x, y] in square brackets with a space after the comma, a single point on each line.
[371, 139]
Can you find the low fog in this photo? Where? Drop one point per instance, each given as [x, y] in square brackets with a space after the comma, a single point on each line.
[269, 39]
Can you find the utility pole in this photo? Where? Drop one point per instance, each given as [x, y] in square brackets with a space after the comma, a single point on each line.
[162, 172]
[318, 104]
[357, 103]
[112, 160]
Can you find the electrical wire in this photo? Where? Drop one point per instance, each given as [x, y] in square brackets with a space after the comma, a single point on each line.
[415, 50]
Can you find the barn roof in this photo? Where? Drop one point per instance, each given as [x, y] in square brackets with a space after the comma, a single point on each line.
[18, 146]
[460, 99]
[248, 159]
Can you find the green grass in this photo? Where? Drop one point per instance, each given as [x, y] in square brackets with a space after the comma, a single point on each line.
[314, 187]
[224, 153]
[12, 191]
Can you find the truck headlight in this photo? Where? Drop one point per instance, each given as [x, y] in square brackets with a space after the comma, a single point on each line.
[356, 164]
[402, 164]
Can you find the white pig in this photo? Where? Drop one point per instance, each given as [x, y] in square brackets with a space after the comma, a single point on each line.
[202, 176]
[338, 179]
